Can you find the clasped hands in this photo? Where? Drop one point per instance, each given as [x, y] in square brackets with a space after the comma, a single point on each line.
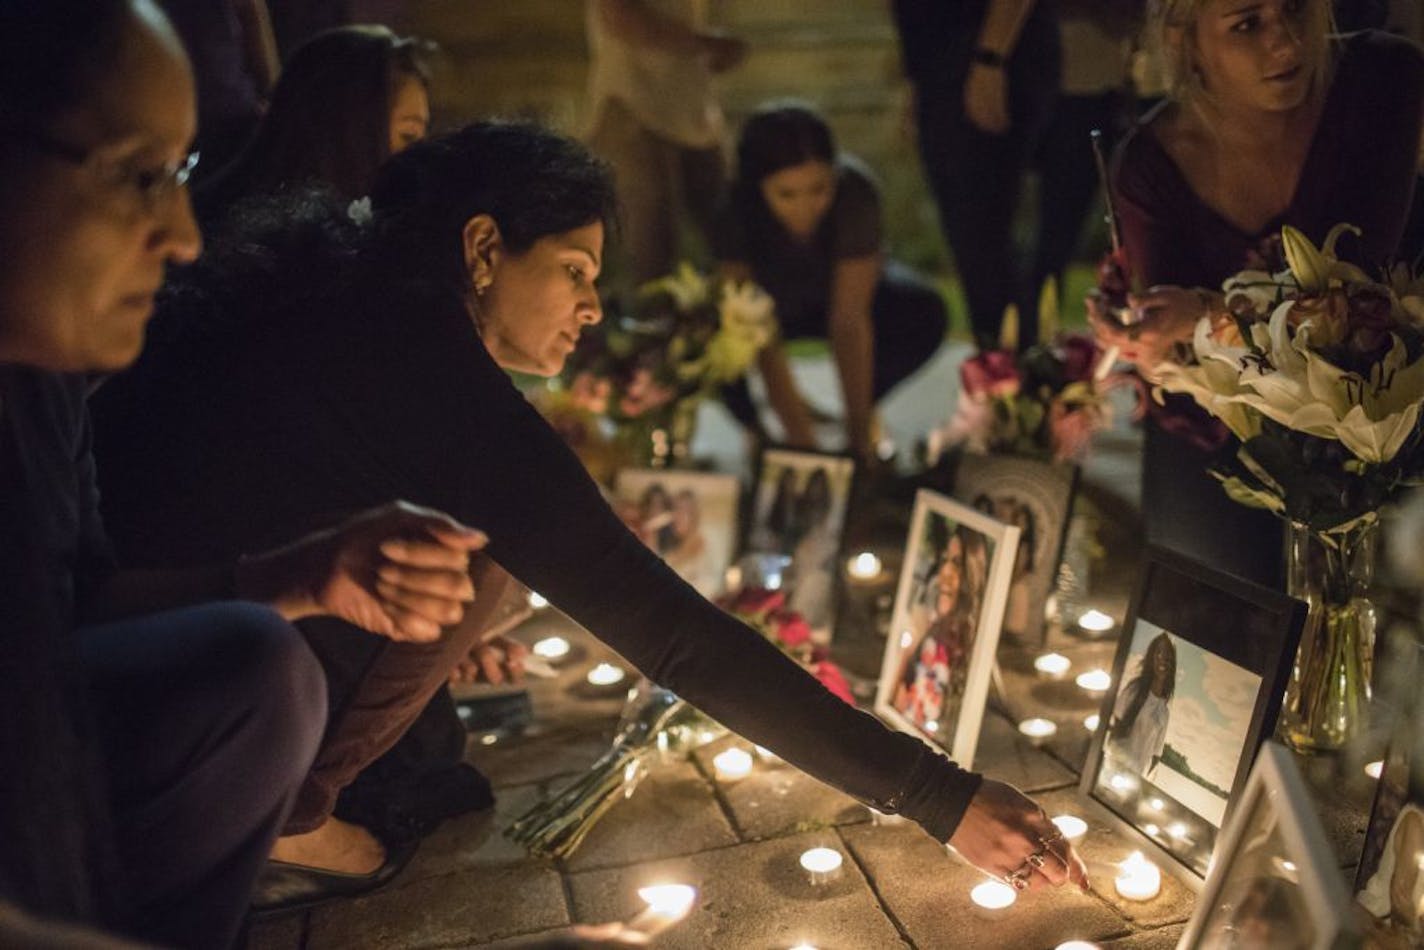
[1006, 835]
[400, 571]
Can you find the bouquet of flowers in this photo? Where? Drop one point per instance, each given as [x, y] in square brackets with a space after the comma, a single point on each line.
[656, 723]
[649, 368]
[1319, 371]
[1045, 402]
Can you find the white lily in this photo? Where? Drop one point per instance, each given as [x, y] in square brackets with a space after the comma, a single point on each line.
[1216, 386]
[1262, 289]
[1316, 268]
[1386, 406]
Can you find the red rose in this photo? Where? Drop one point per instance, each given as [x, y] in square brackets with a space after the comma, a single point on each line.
[991, 373]
[831, 677]
[791, 628]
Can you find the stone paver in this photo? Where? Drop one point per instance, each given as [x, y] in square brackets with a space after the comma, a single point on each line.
[927, 889]
[1007, 756]
[475, 906]
[277, 933]
[673, 812]
[751, 896]
[777, 798]
[1164, 938]
[474, 840]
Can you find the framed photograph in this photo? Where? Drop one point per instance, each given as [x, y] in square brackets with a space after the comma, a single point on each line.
[798, 510]
[688, 518]
[1201, 666]
[1389, 883]
[1037, 497]
[934, 677]
[1274, 881]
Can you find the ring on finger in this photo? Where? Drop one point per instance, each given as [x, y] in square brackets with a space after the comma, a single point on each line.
[1018, 880]
[1035, 859]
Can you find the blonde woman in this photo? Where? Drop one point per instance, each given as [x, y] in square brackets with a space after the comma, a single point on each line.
[1270, 120]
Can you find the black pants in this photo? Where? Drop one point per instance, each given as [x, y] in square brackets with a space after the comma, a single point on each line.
[207, 719]
[908, 320]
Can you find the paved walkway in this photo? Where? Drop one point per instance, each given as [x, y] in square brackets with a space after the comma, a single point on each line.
[739, 842]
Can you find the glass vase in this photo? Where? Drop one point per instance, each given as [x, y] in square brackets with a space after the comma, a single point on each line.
[1327, 702]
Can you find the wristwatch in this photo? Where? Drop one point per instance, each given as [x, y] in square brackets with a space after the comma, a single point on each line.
[984, 56]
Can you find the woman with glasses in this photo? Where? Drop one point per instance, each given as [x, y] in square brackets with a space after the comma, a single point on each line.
[153, 730]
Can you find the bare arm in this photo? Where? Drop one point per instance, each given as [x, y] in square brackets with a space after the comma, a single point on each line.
[781, 389]
[1003, 22]
[853, 342]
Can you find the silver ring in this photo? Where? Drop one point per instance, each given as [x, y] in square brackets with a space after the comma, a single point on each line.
[1035, 859]
[1051, 840]
[1018, 880]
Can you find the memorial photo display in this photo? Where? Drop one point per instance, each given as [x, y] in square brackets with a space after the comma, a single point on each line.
[689, 519]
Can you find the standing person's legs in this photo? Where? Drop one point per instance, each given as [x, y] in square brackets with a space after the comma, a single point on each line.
[207, 720]
[910, 321]
[645, 168]
[975, 180]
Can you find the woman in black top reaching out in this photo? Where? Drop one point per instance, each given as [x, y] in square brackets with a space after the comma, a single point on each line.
[304, 389]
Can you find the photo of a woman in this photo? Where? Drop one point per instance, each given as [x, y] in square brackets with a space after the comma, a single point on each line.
[933, 674]
[1394, 894]
[1138, 730]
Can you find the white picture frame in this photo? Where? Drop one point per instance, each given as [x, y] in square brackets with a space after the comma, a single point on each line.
[1273, 865]
[924, 667]
[716, 497]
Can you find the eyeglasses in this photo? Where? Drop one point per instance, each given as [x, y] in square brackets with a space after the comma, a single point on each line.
[151, 183]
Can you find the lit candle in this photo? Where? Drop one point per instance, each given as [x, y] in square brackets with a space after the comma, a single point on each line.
[1070, 826]
[992, 898]
[489, 738]
[1095, 681]
[1374, 769]
[552, 648]
[1177, 830]
[732, 764]
[822, 865]
[1052, 665]
[865, 566]
[1076, 945]
[537, 601]
[1139, 880]
[804, 946]
[732, 580]
[1095, 621]
[606, 674]
[1156, 804]
[1122, 784]
[767, 755]
[1038, 730]
[1090, 723]
[669, 902]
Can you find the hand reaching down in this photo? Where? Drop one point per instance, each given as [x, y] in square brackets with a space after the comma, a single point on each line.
[1006, 835]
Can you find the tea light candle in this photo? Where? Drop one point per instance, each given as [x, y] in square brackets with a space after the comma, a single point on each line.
[552, 648]
[537, 601]
[1070, 826]
[1076, 945]
[1139, 880]
[1094, 681]
[992, 898]
[864, 566]
[766, 755]
[1374, 769]
[732, 764]
[669, 902]
[879, 818]
[1177, 830]
[1095, 621]
[1052, 665]
[1090, 723]
[606, 674]
[822, 865]
[1038, 730]
[804, 946]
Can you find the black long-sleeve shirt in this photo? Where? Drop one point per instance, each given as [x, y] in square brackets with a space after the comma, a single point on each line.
[233, 435]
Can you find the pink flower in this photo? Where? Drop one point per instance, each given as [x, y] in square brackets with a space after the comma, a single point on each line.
[833, 679]
[991, 373]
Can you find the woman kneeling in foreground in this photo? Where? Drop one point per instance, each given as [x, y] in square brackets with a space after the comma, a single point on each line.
[371, 360]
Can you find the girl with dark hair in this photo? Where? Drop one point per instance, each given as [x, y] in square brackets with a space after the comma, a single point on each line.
[1138, 729]
[480, 257]
[803, 220]
[347, 100]
[152, 733]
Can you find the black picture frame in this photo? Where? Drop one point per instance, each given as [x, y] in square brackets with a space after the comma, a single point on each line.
[1042, 493]
[843, 477]
[1233, 644]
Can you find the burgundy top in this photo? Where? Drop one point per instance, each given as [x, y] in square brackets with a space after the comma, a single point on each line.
[1360, 169]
